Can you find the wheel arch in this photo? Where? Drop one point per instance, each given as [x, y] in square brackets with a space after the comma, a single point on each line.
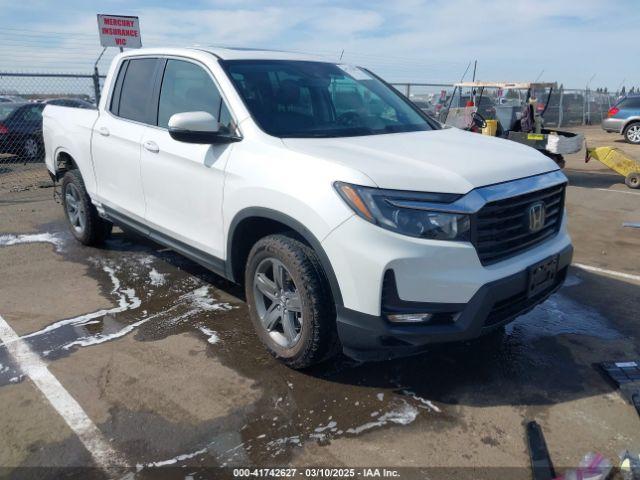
[270, 221]
[629, 121]
[64, 162]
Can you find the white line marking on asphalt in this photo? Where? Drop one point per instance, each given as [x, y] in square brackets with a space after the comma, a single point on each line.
[613, 273]
[617, 191]
[605, 190]
[61, 400]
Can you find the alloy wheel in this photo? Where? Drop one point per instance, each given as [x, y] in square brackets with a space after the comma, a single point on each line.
[633, 134]
[278, 302]
[30, 148]
[75, 208]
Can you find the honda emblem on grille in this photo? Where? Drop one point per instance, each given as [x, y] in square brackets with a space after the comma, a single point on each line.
[537, 215]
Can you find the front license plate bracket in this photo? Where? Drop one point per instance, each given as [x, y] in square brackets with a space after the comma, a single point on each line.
[542, 275]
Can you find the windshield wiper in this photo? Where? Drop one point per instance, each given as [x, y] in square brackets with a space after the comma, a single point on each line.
[351, 132]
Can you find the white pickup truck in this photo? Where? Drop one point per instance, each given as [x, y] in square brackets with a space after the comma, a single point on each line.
[354, 221]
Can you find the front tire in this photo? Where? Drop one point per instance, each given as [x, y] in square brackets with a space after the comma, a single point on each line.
[632, 133]
[290, 302]
[84, 222]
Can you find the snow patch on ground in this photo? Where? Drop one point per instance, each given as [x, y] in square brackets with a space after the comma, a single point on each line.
[201, 300]
[213, 337]
[424, 403]
[156, 278]
[10, 239]
[403, 415]
[171, 461]
[329, 426]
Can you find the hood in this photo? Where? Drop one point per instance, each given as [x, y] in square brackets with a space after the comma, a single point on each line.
[448, 160]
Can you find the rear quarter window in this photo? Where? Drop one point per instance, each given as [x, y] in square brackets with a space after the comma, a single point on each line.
[630, 103]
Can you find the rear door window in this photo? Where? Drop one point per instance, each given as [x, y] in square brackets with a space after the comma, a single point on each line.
[137, 89]
[32, 114]
[7, 109]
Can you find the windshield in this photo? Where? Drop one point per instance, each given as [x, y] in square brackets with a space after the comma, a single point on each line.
[315, 99]
[7, 108]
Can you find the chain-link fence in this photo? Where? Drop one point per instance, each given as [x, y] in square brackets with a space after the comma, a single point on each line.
[22, 99]
[566, 107]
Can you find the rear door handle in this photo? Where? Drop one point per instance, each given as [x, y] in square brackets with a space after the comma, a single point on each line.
[151, 146]
[104, 131]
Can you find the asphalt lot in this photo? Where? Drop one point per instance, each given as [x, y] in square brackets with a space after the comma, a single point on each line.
[159, 356]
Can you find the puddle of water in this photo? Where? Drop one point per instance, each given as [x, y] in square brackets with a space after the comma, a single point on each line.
[572, 280]
[560, 315]
[142, 294]
[158, 294]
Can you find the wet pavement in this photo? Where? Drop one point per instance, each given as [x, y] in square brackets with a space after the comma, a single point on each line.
[161, 355]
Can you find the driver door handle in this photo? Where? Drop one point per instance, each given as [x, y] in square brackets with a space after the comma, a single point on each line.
[104, 131]
[151, 146]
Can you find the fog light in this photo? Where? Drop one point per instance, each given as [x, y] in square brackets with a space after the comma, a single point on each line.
[410, 317]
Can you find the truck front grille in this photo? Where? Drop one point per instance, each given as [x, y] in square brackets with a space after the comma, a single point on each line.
[502, 228]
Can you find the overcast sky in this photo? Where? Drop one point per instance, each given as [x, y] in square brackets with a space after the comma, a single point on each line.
[402, 40]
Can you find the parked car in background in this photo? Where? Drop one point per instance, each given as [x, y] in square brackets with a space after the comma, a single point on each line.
[624, 118]
[21, 129]
[426, 106]
[69, 102]
[11, 99]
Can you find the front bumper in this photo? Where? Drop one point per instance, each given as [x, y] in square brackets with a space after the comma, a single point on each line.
[373, 337]
[613, 124]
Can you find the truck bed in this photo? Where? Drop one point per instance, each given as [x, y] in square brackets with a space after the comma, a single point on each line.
[69, 130]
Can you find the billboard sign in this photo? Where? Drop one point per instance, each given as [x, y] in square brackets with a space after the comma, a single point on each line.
[119, 31]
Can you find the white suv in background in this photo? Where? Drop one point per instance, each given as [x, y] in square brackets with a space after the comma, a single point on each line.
[353, 220]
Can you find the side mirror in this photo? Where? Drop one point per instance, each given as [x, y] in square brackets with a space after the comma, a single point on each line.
[197, 127]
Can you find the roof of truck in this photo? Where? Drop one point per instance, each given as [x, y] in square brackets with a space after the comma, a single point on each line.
[231, 53]
[239, 53]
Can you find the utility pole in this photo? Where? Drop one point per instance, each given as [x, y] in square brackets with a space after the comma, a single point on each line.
[475, 64]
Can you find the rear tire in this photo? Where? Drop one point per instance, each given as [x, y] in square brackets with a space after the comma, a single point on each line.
[632, 133]
[290, 302]
[84, 222]
[633, 180]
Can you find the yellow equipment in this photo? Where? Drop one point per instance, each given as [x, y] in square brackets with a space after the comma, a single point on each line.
[617, 161]
[491, 129]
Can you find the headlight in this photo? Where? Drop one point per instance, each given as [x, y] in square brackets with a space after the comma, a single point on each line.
[407, 212]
